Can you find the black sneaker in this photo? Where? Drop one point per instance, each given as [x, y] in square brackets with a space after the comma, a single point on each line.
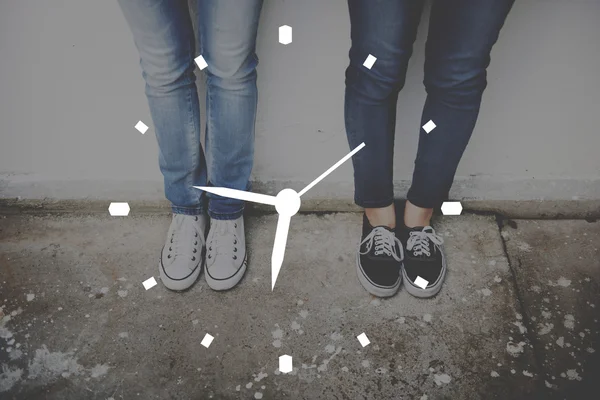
[424, 263]
[379, 260]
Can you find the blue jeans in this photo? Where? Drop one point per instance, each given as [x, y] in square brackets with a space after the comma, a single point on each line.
[163, 34]
[460, 38]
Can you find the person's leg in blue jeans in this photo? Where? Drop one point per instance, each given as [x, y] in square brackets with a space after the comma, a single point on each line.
[228, 30]
[460, 39]
[163, 34]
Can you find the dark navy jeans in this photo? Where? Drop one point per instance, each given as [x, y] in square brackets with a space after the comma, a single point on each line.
[460, 38]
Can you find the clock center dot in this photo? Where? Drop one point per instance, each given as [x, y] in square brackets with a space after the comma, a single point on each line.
[288, 202]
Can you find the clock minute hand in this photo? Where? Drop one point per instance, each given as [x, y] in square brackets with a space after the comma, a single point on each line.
[330, 170]
[239, 194]
[281, 235]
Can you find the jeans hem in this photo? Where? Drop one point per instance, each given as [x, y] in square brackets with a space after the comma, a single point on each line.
[226, 216]
[187, 210]
[374, 203]
[422, 202]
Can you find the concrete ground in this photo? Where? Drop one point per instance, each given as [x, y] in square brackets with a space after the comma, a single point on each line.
[517, 318]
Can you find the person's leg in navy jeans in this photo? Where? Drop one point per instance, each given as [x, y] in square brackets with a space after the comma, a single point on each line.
[385, 29]
[163, 34]
[460, 39]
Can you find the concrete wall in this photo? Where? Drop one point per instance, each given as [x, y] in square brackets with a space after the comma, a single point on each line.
[71, 91]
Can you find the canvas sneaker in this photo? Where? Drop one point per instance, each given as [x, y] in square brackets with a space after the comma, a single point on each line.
[226, 253]
[424, 263]
[181, 259]
[379, 260]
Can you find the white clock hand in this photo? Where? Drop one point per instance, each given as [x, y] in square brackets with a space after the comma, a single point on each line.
[330, 170]
[239, 194]
[287, 204]
[283, 226]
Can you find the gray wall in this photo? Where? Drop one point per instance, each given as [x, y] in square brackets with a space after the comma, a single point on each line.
[71, 91]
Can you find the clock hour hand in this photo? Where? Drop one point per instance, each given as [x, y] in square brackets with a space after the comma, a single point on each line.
[239, 194]
[283, 226]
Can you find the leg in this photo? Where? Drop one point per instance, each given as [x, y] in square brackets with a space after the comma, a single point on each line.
[385, 29]
[461, 36]
[162, 31]
[228, 30]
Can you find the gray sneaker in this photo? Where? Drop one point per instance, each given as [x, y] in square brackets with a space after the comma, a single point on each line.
[182, 258]
[226, 253]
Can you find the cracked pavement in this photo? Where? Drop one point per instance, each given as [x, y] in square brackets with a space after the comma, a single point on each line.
[517, 317]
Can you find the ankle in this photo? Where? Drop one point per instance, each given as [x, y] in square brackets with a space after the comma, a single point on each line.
[417, 216]
[385, 216]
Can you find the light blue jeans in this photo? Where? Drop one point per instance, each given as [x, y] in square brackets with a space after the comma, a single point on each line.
[163, 34]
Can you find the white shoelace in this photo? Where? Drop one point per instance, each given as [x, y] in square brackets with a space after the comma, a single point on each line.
[223, 239]
[183, 236]
[418, 241]
[385, 242]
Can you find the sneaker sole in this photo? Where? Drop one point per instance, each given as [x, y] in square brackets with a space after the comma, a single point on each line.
[373, 288]
[179, 285]
[227, 283]
[429, 291]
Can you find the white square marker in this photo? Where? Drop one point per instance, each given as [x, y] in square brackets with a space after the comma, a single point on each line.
[285, 34]
[141, 127]
[422, 283]
[370, 61]
[207, 340]
[118, 209]
[285, 364]
[149, 283]
[428, 127]
[451, 208]
[363, 339]
[201, 62]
